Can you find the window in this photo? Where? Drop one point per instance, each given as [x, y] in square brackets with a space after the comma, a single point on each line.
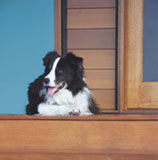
[139, 94]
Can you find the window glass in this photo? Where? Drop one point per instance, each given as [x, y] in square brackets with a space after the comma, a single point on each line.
[150, 41]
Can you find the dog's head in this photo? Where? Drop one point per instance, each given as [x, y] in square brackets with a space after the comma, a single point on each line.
[61, 72]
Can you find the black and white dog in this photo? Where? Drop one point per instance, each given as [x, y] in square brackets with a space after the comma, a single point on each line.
[62, 89]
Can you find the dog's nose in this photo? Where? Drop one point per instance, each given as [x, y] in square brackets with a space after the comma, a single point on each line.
[46, 80]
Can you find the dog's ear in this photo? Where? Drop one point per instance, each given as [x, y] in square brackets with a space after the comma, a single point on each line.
[80, 62]
[49, 57]
[75, 60]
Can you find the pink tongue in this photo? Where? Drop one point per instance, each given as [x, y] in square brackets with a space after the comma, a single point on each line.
[51, 91]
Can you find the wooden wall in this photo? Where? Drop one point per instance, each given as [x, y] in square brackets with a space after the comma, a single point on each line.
[91, 35]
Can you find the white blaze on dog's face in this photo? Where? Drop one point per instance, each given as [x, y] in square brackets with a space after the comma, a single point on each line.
[51, 80]
[52, 75]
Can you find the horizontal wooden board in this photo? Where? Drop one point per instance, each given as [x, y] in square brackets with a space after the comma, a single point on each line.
[91, 18]
[97, 59]
[100, 79]
[100, 117]
[91, 38]
[105, 99]
[78, 136]
[114, 155]
[90, 3]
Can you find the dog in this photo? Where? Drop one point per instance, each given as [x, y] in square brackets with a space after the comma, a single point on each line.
[61, 90]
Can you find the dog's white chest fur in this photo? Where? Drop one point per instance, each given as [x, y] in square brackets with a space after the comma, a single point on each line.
[63, 103]
[63, 97]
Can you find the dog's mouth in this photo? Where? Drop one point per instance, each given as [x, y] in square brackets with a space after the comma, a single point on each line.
[52, 90]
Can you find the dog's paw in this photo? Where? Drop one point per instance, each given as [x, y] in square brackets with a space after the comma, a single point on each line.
[75, 113]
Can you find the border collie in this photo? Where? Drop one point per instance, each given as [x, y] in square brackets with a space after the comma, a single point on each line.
[61, 89]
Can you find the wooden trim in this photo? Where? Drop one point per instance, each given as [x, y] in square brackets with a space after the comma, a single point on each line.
[101, 117]
[19, 154]
[133, 52]
[97, 137]
[57, 32]
[121, 55]
[142, 111]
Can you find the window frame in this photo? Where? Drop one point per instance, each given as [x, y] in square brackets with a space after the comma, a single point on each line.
[139, 96]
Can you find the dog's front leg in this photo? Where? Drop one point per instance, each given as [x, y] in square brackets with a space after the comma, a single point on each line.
[53, 110]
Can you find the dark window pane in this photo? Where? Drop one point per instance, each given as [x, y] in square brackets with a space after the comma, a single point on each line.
[150, 41]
